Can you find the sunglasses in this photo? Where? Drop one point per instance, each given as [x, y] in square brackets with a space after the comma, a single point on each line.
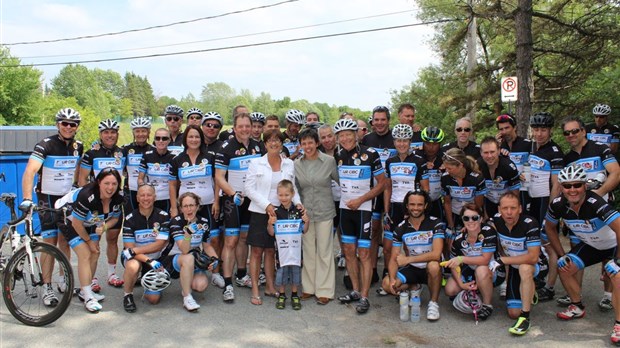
[364, 129]
[162, 138]
[600, 116]
[212, 125]
[68, 124]
[380, 109]
[572, 131]
[172, 118]
[194, 117]
[460, 129]
[506, 118]
[467, 218]
[576, 185]
[447, 157]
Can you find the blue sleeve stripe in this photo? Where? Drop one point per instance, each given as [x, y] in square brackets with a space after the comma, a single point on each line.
[612, 218]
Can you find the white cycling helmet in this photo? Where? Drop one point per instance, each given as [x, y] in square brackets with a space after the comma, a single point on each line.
[601, 109]
[154, 280]
[345, 124]
[140, 122]
[173, 110]
[572, 173]
[467, 301]
[296, 116]
[68, 114]
[212, 115]
[402, 131]
[108, 124]
[257, 117]
[194, 111]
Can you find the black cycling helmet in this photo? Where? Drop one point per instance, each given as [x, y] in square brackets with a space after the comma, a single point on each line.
[432, 134]
[541, 120]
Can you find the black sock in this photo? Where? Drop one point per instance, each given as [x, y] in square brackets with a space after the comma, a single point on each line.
[578, 304]
[617, 322]
[525, 314]
[227, 281]
[293, 293]
[241, 272]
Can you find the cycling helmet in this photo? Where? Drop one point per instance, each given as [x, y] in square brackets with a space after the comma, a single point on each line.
[572, 173]
[402, 131]
[140, 122]
[295, 116]
[314, 125]
[467, 301]
[432, 134]
[345, 124]
[194, 111]
[257, 117]
[541, 119]
[108, 124]
[601, 109]
[201, 260]
[212, 115]
[370, 120]
[174, 110]
[68, 114]
[154, 280]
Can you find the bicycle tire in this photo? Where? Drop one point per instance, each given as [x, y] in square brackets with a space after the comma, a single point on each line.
[23, 299]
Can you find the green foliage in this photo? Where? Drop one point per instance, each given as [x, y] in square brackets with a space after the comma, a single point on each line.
[20, 91]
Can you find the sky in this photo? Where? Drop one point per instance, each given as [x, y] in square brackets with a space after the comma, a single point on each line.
[355, 70]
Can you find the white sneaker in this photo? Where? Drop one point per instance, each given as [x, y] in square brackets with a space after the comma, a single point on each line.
[49, 297]
[96, 296]
[502, 291]
[342, 262]
[262, 279]
[245, 281]
[61, 286]
[229, 294]
[217, 280]
[432, 313]
[190, 304]
[92, 305]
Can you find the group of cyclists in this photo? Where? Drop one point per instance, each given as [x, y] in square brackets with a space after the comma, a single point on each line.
[491, 211]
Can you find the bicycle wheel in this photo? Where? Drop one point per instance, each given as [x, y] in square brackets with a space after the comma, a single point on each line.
[23, 289]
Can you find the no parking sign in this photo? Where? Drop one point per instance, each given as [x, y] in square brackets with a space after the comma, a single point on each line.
[510, 89]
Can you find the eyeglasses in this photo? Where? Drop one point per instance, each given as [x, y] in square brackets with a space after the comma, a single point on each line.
[572, 131]
[461, 129]
[273, 140]
[364, 129]
[172, 118]
[68, 124]
[576, 185]
[212, 125]
[467, 218]
[194, 117]
[447, 158]
[186, 206]
[162, 138]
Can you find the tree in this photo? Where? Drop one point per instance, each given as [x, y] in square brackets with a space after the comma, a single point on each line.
[79, 82]
[20, 91]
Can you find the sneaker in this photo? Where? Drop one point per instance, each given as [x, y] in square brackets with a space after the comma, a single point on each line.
[545, 294]
[190, 304]
[615, 335]
[218, 280]
[115, 281]
[605, 305]
[229, 294]
[350, 297]
[92, 305]
[281, 302]
[363, 305]
[342, 262]
[61, 286]
[572, 312]
[49, 297]
[520, 326]
[96, 296]
[563, 300]
[94, 285]
[129, 304]
[245, 281]
[485, 311]
[502, 291]
[382, 292]
[262, 279]
[296, 302]
[432, 313]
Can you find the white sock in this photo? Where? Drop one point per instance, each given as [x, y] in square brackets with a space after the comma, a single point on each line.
[87, 293]
[111, 269]
[607, 295]
[187, 297]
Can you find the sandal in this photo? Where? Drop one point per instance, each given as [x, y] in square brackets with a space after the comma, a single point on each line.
[281, 303]
[271, 294]
[256, 300]
[296, 302]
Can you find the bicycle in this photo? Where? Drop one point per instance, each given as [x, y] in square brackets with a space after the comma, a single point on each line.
[30, 267]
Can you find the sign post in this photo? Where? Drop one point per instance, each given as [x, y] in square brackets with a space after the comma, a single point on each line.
[509, 86]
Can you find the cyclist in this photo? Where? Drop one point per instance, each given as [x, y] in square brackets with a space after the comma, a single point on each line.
[602, 131]
[258, 123]
[56, 160]
[406, 115]
[173, 116]
[155, 168]
[145, 235]
[358, 165]
[96, 210]
[194, 117]
[431, 153]
[230, 133]
[463, 130]
[231, 165]
[141, 129]
[105, 154]
[421, 237]
[295, 119]
[595, 223]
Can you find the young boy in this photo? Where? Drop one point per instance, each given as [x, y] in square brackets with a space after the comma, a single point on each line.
[287, 226]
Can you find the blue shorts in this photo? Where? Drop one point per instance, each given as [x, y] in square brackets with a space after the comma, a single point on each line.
[288, 275]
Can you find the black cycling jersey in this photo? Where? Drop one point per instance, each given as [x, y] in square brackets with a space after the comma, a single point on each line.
[199, 231]
[357, 169]
[593, 158]
[486, 242]
[214, 147]
[505, 178]
[291, 143]
[133, 155]
[196, 177]
[416, 141]
[434, 173]
[516, 241]
[383, 144]
[473, 186]
[226, 135]
[59, 161]
[607, 134]
[420, 241]
[142, 230]
[472, 149]
[405, 175]
[545, 161]
[100, 157]
[156, 168]
[235, 158]
[87, 206]
[519, 152]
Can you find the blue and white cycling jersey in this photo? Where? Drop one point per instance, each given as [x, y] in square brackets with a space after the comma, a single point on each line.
[420, 241]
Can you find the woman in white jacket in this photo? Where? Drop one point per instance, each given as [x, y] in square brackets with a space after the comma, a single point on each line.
[261, 183]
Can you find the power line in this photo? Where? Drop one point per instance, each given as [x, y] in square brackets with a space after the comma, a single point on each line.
[238, 46]
[150, 28]
[224, 38]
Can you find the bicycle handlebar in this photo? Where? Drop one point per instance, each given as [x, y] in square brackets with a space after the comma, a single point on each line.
[31, 210]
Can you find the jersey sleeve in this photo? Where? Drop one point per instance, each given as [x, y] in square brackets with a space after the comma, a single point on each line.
[489, 243]
[375, 166]
[222, 159]
[128, 228]
[532, 236]
[87, 160]
[176, 228]
[554, 212]
[607, 156]
[481, 187]
[514, 181]
[163, 219]
[82, 205]
[40, 151]
[397, 236]
[615, 134]
[604, 210]
[439, 231]
[143, 165]
[445, 189]
[557, 160]
[456, 250]
[422, 172]
[173, 169]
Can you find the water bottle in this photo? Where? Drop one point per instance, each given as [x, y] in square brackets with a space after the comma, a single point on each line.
[415, 306]
[404, 305]
[527, 175]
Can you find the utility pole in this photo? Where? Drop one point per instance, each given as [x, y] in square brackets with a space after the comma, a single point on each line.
[525, 64]
[471, 61]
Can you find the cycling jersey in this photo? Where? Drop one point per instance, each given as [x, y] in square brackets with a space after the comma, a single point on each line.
[133, 154]
[472, 149]
[357, 169]
[383, 144]
[405, 174]
[100, 157]
[194, 177]
[420, 241]
[87, 206]
[416, 141]
[545, 161]
[516, 241]
[59, 161]
[142, 230]
[486, 242]
[473, 186]
[519, 153]
[590, 224]
[156, 168]
[288, 231]
[505, 178]
[606, 134]
[214, 147]
[198, 229]
[176, 144]
[290, 143]
[593, 158]
[226, 135]
[433, 173]
[235, 158]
